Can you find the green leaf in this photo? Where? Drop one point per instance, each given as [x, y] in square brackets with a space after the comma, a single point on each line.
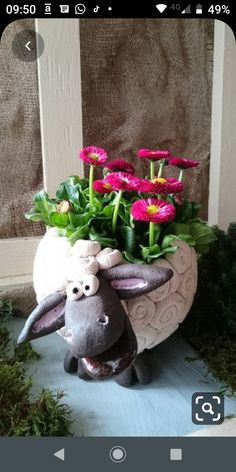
[43, 202]
[187, 238]
[80, 233]
[150, 252]
[97, 205]
[157, 231]
[154, 252]
[200, 230]
[128, 238]
[181, 228]
[202, 249]
[169, 249]
[107, 211]
[144, 251]
[86, 217]
[69, 192]
[206, 239]
[59, 219]
[75, 220]
[39, 199]
[195, 209]
[125, 214]
[167, 240]
[185, 212]
[104, 241]
[76, 180]
[132, 259]
[34, 215]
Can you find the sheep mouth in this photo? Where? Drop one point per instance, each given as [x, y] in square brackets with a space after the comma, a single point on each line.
[114, 360]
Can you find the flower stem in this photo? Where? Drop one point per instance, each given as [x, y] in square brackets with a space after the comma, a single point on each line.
[151, 234]
[152, 169]
[91, 176]
[115, 213]
[181, 175]
[160, 169]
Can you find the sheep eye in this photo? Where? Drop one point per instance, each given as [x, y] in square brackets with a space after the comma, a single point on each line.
[74, 290]
[90, 285]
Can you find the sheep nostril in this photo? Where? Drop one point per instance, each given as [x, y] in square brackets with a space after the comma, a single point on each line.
[69, 336]
[103, 319]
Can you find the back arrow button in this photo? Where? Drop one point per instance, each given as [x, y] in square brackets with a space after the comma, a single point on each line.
[27, 46]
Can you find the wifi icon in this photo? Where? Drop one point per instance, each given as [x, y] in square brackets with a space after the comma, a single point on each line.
[161, 7]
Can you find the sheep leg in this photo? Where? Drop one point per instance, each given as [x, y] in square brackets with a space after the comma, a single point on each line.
[70, 363]
[140, 371]
[125, 379]
[142, 368]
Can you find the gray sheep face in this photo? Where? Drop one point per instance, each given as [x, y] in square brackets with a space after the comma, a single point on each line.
[96, 326]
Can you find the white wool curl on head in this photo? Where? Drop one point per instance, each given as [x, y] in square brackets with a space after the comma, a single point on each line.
[108, 257]
[57, 263]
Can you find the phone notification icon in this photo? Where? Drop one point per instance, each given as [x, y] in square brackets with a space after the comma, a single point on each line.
[80, 9]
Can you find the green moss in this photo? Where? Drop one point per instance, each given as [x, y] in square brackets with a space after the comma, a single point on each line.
[211, 324]
[22, 415]
[6, 310]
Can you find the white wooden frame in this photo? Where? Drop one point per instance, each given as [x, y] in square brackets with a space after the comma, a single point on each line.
[59, 80]
[222, 186]
[59, 77]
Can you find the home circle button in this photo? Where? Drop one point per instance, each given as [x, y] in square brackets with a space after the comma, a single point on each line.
[117, 454]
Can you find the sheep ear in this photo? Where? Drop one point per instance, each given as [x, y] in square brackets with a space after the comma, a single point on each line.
[132, 280]
[47, 317]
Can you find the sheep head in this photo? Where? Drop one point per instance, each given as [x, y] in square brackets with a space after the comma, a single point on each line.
[96, 326]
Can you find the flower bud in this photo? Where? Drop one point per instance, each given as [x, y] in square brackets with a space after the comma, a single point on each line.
[64, 207]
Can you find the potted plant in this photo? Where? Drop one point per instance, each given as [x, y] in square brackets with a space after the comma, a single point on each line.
[117, 271]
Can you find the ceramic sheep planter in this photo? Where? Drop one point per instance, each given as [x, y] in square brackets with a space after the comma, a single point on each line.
[108, 311]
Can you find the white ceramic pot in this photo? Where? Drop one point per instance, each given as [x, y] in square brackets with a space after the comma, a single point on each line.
[154, 316]
[157, 315]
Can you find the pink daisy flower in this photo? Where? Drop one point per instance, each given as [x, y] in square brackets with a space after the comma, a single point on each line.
[179, 199]
[160, 185]
[146, 186]
[153, 210]
[120, 165]
[123, 181]
[183, 163]
[168, 185]
[93, 155]
[102, 187]
[153, 155]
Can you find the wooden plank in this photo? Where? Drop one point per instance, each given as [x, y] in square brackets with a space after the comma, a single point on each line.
[18, 281]
[59, 77]
[103, 408]
[16, 256]
[227, 428]
[222, 188]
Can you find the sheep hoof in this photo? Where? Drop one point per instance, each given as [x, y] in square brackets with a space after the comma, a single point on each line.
[142, 369]
[70, 363]
[141, 372]
[126, 378]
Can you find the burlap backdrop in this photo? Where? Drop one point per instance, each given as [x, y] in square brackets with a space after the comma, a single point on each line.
[20, 148]
[147, 83]
[144, 83]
